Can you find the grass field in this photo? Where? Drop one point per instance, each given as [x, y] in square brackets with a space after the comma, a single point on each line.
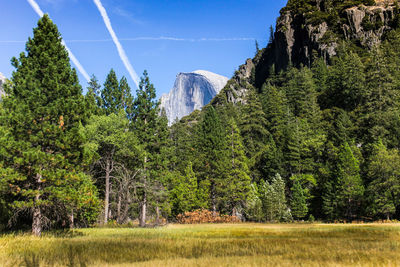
[209, 245]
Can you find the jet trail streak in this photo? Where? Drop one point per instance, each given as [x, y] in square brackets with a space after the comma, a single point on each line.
[120, 49]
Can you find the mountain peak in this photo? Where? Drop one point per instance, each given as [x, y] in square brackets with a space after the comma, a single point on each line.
[191, 91]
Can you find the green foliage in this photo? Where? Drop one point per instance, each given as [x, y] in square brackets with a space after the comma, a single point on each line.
[234, 189]
[298, 203]
[94, 101]
[254, 208]
[384, 188]
[273, 200]
[253, 127]
[43, 114]
[187, 194]
[350, 188]
[116, 96]
[152, 132]
[211, 145]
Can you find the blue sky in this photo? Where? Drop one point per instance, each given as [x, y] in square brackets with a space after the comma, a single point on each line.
[208, 34]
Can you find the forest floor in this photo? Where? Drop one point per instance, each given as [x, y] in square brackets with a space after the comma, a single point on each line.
[209, 245]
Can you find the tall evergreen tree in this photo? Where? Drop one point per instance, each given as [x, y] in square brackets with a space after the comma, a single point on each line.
[211, 148]
[186, 192]
[146, 126]
[44, 112]
[298, 203]
[346, 82]
[350, 188]
[126, 101]
[381, 110]
[93, 96]
[273, 199]
[253, 127]
[111, 94]
[384, 176]
[301, 93]
[236, 186]
[276, 110]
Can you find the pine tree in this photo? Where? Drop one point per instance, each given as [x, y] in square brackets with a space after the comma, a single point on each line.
[43, 113]
[146, 126]
[273, 199]
[185, 192]
[111, 94]
[126, 101]
[298, 203]
[276, 110]
[93, 98]
[269, 160]
[280, 207]
[380, 111]
[236, 187]
[350, 188]
[211, 148]
[302, 95]
[254, 208]
[384, 175]
[253, 127]
[345, 82]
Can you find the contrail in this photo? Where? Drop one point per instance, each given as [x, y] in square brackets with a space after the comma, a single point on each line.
[120, 49]
[37, 9]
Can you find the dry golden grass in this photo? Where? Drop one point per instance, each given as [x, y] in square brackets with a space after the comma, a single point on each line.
[210, 245]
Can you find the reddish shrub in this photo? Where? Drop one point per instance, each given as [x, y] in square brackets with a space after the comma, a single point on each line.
[205, 216]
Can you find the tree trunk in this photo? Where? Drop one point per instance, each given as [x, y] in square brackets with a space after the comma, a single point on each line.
[142, 219]
[71, 220]
[37, 221]
[37, 213]
[119, 208]
[107, 194]
[157, 216]
[213, 200]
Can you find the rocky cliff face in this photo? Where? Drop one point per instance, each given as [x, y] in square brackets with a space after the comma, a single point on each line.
[191, 91]
[318, 29]
[311, 29]
[2, 81]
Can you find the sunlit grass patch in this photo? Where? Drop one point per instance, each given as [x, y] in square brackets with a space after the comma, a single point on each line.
[209, 245]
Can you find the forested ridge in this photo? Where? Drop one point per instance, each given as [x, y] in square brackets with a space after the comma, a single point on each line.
[312, 141]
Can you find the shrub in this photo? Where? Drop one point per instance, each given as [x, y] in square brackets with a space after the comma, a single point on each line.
[205, 216]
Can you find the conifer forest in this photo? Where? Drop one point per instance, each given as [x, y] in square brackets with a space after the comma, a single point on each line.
[314, 138]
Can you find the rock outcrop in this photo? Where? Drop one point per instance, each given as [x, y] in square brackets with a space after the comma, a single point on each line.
[312, 30]
[191, 92]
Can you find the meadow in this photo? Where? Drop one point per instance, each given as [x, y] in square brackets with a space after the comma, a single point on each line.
[209, 245]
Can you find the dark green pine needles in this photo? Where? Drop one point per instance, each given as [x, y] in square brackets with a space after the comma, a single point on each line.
[44, 113]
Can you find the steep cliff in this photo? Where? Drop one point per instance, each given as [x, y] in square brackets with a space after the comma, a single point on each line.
[191, 92]
[310, 29]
